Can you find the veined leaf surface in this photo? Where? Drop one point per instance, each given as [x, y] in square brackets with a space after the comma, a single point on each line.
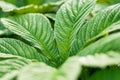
[99, 23]
[37, 29]
[18, 48]
[69, 20]
[110, 43]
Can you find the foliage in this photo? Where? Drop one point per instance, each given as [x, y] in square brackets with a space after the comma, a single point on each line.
[59, 40]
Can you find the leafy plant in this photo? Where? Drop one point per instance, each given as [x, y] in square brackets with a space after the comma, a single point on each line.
[46, 49]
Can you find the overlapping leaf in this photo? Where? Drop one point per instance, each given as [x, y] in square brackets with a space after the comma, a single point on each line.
[16, 47]
[69, 20]
[110, 43]
[100, 60]
[36, 29]
[99, 23]
[71, 17]
[114, 28]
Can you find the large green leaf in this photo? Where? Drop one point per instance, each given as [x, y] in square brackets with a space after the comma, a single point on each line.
[9, 63]
[110, 43]
[99, 23]
[36, 71]
[69, 20]
[114, 28]
[16, 47]
[36, 29]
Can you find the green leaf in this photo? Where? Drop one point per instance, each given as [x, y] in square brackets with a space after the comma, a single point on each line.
[114, 28]
[106, 74]
[9, 63]
[69, 20]
[98, 24]
[37, 29]
[110, 43]
[36, 71]
[16, 47]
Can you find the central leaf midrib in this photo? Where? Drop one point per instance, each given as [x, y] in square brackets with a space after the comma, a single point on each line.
[72, 33]
[42, 46]
[46, 51]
